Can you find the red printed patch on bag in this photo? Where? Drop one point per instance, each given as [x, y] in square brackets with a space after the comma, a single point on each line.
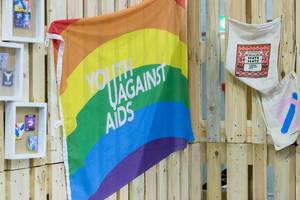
[252, 61]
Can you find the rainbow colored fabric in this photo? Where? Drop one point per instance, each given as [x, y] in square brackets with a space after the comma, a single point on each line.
[124, 94]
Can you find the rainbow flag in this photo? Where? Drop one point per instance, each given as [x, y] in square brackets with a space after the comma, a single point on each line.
[123, 85]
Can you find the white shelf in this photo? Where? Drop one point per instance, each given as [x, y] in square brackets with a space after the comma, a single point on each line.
[33, 35]
[17, 149]
[15, 62]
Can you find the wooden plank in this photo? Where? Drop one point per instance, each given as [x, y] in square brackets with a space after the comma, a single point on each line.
[237, 172]
[212, 71]
[297, 10]
[17, 184]
[37, 82]
[194, 65]
[260, 171]
[195, 175]
[184, 173]
[236, 119]
[298, 173]
[287, 52]
[75, 9]
[2, 186]
[121, 4]
[259, 130]
[150, 184]
[174, 177]
[38, 183]
[57, 182]
[214, 171]
[137, 188]
[123, 193]
[162, 181]
[55, 10]
[2, 137]
[91, 8]
[107, 6]
[134, 2]
[285, 159]
[285, 174]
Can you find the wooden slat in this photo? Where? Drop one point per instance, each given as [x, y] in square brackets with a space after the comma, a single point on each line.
[75, 9]
[162, 181]
[17, 184]
[297, 10]
[258, 15]
[286, 8]
[37, 82]
[134, 2]
[174, 177]
[121, 4]
[91, 8]
[195, 175]
[57, 182]
[2, 186]
[1, 137]
[212, 71]
[284, 167]
[214, 171]
[260, 171]
[150, 184]
[258, 10]
[194, 65]
[55, 10]
[236, 119]
[123, 193]
[38, 183]
[184, 173]
[107, 6]
[285, 159]
[137, 188]
[298, 173]
[237, 172]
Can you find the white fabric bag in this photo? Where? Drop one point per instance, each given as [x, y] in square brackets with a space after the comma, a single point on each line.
[252, 53]
[281, 107]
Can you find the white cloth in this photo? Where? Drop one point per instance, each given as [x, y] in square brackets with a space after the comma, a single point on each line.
[281, 107]
[252, 53]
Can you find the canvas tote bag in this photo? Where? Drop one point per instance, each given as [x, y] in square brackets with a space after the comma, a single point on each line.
[253, 52]
[281, 107]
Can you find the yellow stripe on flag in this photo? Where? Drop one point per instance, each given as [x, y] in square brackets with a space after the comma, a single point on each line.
[143, 47]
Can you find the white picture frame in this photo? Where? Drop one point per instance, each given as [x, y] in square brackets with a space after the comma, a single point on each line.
[8, 20]
[18, 72]
[10, 137]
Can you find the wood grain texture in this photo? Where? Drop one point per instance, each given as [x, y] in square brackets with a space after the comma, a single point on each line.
[212, 71]
[237, 171]
[214, 171]
[235, 92]
[194, 65]
[17, 184]
[39, 183]
[195, 174]
[284, 166]
[174, 176]
[57, 182]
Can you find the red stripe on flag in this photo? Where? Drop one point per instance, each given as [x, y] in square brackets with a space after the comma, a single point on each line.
[181, 2]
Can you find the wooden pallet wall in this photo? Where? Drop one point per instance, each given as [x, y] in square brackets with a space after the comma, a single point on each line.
[239, 143]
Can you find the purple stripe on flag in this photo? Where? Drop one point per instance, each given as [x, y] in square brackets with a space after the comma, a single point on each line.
[136, 163]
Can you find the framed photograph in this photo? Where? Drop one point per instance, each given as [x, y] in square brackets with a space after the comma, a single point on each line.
[24, 20]
[11, 71]
[25, 130]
